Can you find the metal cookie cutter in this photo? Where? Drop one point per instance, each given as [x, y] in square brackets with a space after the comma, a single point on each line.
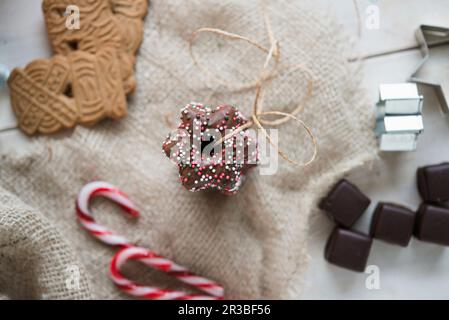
[399, 117]
[431, 36]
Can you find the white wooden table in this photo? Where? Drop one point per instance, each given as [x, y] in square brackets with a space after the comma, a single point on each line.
[391, 54]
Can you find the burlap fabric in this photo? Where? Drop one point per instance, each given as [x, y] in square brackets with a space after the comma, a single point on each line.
[254, 243]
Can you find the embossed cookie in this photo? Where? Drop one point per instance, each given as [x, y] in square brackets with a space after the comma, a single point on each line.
[116, 24]
[40, 96]
[96, 85]
[50, 95]
[129, 15]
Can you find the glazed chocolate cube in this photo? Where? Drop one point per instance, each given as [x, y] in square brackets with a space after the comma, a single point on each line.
[432, 224]
[345, 203]
[393, 223]
[348, 249]
[433, 182]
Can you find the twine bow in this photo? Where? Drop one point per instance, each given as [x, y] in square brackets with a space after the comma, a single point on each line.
[273, 54]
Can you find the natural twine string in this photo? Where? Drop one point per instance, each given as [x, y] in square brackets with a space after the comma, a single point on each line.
[267, 74]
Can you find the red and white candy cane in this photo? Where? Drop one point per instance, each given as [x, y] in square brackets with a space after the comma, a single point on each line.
[131, 252]
[149, 258]
[86, 218]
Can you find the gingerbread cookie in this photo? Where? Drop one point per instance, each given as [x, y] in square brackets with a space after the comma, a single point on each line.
[92, 73]
[39, 96]
[116, 24]
[49, 95]
[96, 85]
[129, 15]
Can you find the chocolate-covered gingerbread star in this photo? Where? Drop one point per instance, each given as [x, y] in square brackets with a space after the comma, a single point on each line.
[204, 162]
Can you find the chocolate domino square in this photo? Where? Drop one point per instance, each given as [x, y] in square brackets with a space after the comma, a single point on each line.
[433, 182]
[432, 224]
[345, 203]
[393, 223]
[348, 249]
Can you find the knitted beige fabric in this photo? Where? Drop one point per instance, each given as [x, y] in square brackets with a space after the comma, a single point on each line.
[254, 243]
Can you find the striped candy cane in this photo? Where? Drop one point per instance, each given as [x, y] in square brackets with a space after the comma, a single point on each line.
[149, 258]
[87, 220]
[131, 252]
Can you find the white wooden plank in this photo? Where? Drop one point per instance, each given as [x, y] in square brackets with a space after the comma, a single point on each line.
[23, 36]
[15, 142]
[7, 118]
[398, 20]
